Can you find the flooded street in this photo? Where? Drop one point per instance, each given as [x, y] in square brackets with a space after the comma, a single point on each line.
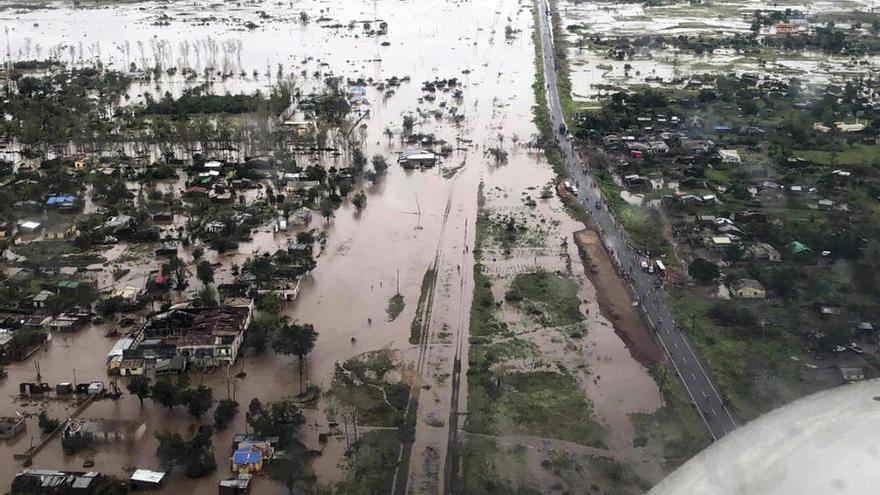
[414, 221]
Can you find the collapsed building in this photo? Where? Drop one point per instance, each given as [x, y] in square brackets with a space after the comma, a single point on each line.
[178, 338]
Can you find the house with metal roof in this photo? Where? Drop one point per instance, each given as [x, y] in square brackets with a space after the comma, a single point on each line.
[146, 479]
[247, 460]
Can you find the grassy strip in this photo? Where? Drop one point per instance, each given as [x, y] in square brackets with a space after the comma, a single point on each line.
[484, 326]
[541, 119]
[395, 307]
[415, 328]
[530, 403]
[855, 154]
[549, 298]
[363, 389]
[540, 111]
[370, 464]
[486, 466]
[675, 426]
[755, 374]
[533, 403]
[483, 323]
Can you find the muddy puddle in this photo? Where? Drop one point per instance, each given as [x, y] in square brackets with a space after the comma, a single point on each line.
[414, 220]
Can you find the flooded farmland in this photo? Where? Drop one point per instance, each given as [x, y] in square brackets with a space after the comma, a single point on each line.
[394, 280]
[655, 60]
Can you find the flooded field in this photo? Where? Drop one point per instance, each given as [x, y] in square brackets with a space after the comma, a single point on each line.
[415, 222]
[595, 70]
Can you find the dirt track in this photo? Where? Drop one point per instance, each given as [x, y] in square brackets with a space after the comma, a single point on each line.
[615, 299]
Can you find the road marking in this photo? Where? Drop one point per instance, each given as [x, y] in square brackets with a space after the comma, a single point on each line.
[714, 413]
[710, 381]
[554, 103]
[675, 344]
[704, 393]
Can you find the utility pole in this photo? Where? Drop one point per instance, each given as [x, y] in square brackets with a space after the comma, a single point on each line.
[228, 394]
[345, 425]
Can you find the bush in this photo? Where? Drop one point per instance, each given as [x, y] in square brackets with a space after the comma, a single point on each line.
[75, 444]
[47, 424]
[704, 271]
[226, 410]
[110, 306]
[730, 313]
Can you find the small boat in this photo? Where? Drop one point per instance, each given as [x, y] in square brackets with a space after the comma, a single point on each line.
[113, 332]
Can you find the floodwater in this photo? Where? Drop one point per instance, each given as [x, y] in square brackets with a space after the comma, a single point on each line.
[414, 220]
[593, 73]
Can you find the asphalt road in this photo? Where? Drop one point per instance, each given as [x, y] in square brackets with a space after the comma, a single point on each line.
[704, 395]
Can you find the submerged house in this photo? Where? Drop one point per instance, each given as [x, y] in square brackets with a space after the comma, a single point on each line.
[417, 158]
[205, 337]
[146, 479]
[11, 426]
[235, 486]
[247, 460]
[106, 430]
[38, 481]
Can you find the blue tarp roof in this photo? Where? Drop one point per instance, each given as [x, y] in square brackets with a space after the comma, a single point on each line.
[60, 200]
[247, 455]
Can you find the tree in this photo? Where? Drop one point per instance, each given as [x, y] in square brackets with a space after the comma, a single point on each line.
[198, 400]
[171, 448]
[166, 393]
[358, 159]
[225, 411]
[733, 253]
[109, 306]
[47, 424]
[379, 164]
[177, 269]
[360, 200]
[279, 419]
[408, 123]
[206, 298]
[139, 385]
[294, 469]
[195, 455]
[269, 303]
[305, 237]
[205, 272]
[298, 340]
[75, 444]
[704, 271]
[730, 313]
[326, 207]
[261, 330]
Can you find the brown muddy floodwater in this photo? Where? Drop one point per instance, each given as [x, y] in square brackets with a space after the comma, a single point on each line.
[414, 220]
